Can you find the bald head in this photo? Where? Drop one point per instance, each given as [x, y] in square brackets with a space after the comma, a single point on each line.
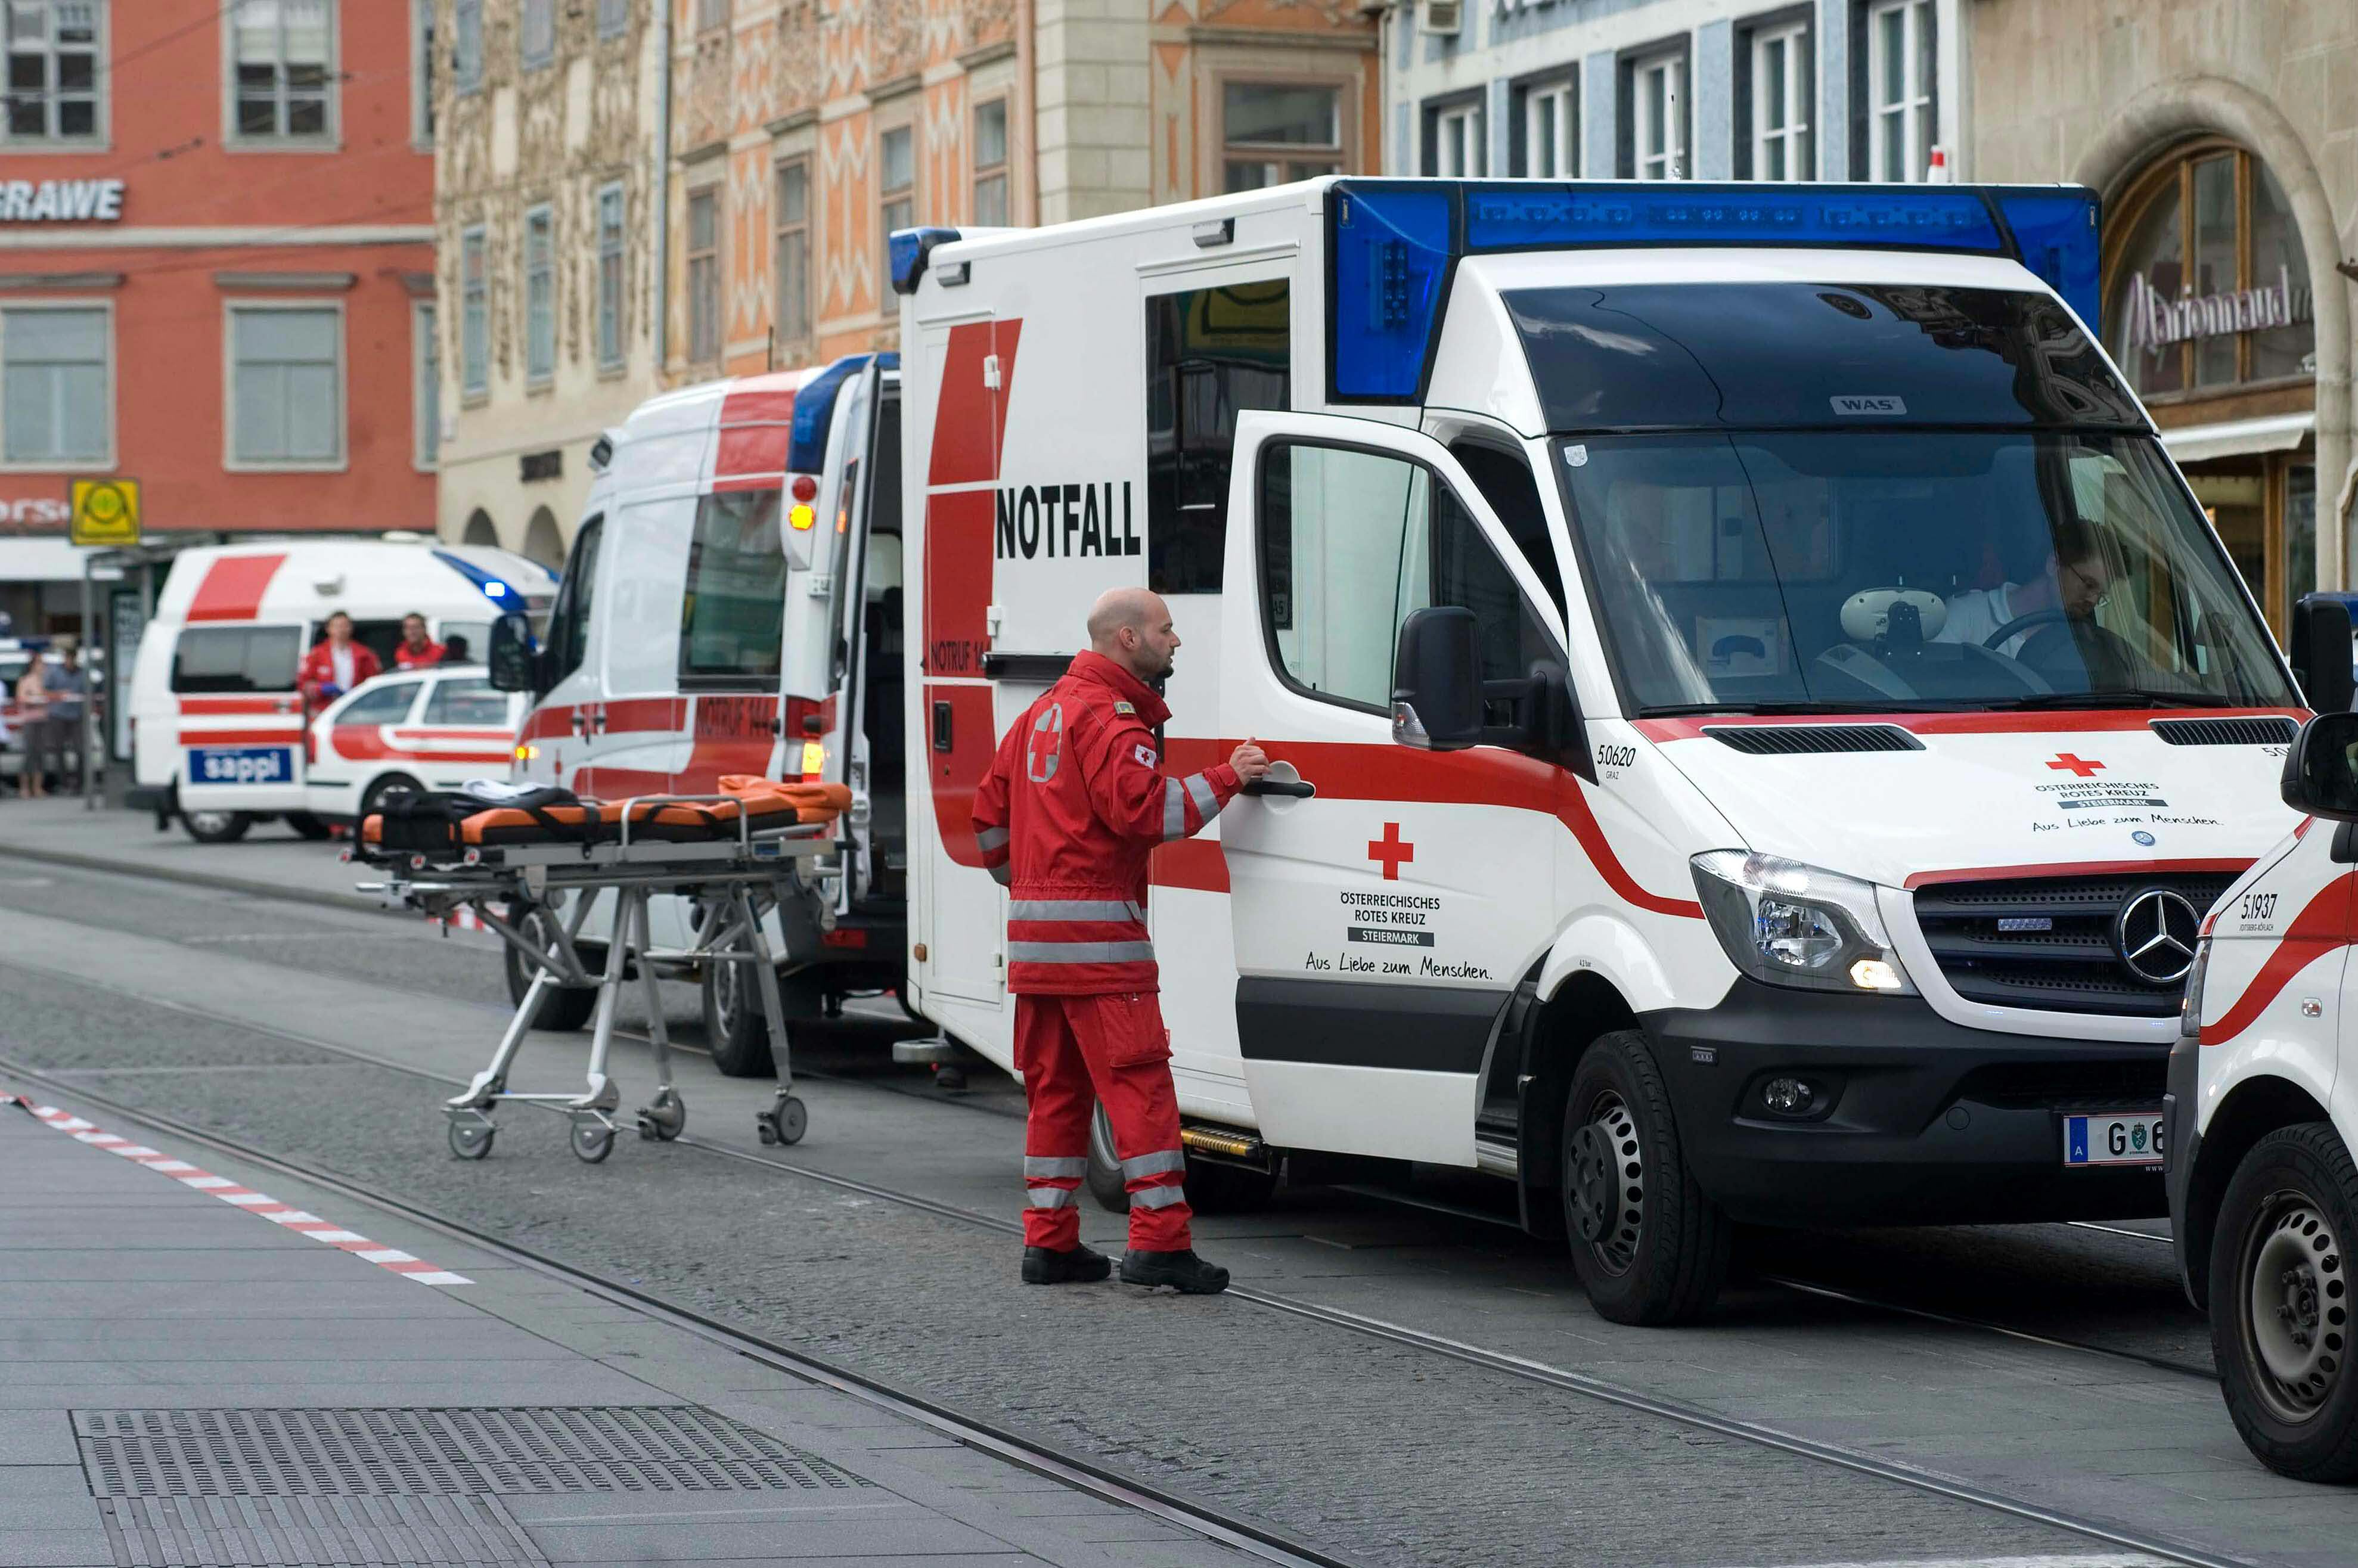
[1132, 626]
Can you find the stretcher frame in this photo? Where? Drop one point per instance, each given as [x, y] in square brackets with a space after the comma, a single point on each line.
[732, 883]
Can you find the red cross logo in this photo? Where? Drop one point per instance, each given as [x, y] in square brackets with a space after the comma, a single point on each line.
[2078, 767]
[1045, 749]
[1391, 850]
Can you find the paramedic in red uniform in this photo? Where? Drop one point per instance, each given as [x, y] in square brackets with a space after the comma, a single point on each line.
[416, 650]
[1075, 802]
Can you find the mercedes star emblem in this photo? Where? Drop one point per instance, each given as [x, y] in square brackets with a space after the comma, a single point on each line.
[2154, 936]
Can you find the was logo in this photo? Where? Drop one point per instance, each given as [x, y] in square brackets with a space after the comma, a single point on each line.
[1880, 406]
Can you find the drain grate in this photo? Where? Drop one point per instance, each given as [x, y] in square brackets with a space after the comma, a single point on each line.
[305, 1533]
[437, 1453]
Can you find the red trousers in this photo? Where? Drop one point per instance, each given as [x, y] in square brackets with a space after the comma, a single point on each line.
[1074, 1052]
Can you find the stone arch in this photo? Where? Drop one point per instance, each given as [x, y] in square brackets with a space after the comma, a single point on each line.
[2171, 112]
[543, 542]
[479, 530]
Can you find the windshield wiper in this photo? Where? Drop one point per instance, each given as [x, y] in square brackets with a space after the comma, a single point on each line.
[2116, 697]
[1708, 709]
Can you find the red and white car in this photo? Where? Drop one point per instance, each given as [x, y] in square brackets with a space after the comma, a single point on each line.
[416, 730]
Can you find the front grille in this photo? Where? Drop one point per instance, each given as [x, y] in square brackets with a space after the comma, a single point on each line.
[1795, 739]
[2067, 1086]
[2058, 953]
[2271, 731]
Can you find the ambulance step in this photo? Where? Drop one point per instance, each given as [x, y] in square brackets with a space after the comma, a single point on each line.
[1227, 1145]
[925, 1053]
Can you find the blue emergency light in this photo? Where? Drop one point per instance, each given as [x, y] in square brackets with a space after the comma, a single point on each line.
[493, 588]
[815, 409]
[907, 250]
[1392, 245]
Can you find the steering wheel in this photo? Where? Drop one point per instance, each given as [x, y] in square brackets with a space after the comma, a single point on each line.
[2022, 623]
[2037, 651]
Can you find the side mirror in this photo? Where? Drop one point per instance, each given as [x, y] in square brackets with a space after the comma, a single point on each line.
[1438, 681]
[515, 658]
[2321, 772]
[2323, 652]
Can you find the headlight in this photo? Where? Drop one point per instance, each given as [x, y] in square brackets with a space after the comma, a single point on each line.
[2189, 1011]
[1793, 925]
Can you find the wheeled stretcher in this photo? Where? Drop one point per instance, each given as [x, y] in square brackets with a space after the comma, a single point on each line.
[531, 874]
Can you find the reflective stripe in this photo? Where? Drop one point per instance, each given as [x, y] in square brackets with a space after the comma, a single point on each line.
[1051, 1197]
[990, 838]
[1049, 1167]
[1115, 909]
[1199, 789]
[1080, 952]
[1157, 1198]
[1174, 810]
[1153, 1164]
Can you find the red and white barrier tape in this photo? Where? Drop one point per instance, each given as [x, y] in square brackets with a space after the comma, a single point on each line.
[246, 1199]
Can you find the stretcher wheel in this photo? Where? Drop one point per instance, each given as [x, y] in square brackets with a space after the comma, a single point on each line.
[784, 1122]
[664, 1119]
[471, 1140]
[591, 1142]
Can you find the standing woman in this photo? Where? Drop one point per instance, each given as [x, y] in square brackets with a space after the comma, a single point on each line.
[335, 664]
[33, 714]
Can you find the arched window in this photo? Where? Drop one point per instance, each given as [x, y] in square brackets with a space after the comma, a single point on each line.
[542, 542]
[479, 529]
[2206, 288]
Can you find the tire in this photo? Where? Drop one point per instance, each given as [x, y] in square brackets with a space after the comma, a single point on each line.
[733, 1026]
[1648, 1246]
[392, 784]
[2281, 1301]
[1104, 1178]
[306, 825]
[566, 1007]
[217, 826]
[1212, 1187]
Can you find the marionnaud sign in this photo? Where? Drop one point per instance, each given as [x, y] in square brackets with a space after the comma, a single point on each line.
[2156, 321]
[60, 201]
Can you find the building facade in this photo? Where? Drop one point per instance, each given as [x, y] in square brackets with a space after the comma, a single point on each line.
[216, 270]
[804, 133]
[1675, 89]
[2224, 137]
[547, 205]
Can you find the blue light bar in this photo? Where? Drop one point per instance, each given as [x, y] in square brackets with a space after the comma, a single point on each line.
[815, 409]
[907, 249]
[1942, 218]
[2055, 233]
[494, 589]
[1392, 249]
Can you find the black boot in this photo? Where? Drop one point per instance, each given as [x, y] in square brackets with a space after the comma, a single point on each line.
[1046, 1266]
[1186, 1272]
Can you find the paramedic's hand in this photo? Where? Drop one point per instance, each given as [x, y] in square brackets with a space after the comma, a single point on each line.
[1249, 762]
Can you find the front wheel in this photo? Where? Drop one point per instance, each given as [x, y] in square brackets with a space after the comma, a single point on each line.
[2280, 1302]
[217, 826]
[385, 789]
[1648, 1244]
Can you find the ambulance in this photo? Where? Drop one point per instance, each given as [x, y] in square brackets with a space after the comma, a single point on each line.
[218, 725]
[1757, 716]
[732, 605]
[2261, 1121]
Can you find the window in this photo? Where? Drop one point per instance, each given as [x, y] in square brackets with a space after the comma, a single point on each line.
[1209, 353]
[54, 405]
[704, 274]
[466, 45]
[286, 393]
[610, 277]
[1272, 133]
[1658, 124]
[53, 71]
[990, 164]
[474, 314]
[429, 382]
[421, 72]
[896, 179]
[285, 63]
[790, 250]
[613, 18]
[731, 623]
[568, 618]
[1550, 145]
[1455, 140]
[236, 659]
[1353, 542]
[540, 293]
[1900, 77]
[387, 704]
[1784, 85]
[536, 38]
[470, 701]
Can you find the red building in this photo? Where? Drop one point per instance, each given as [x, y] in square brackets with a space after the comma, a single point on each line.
[216, 269]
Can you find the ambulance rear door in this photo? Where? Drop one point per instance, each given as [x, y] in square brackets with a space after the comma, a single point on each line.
[1381, 924]
[240, 727]
[865, 742]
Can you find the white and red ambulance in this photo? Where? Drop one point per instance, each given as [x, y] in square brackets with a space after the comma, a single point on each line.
[218, 723]
[1748, 687]
[732, 605]
[2261, 1124]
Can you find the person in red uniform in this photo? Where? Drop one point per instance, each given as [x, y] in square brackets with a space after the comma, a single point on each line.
[1075, 802]
[416, 650]
[335, 664]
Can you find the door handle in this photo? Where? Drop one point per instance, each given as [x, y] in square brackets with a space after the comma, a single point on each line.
[942, 726]
[1298, 789]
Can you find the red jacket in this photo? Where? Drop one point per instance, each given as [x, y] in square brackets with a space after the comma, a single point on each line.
[317, 678]
[1074, 804]
[406, 658]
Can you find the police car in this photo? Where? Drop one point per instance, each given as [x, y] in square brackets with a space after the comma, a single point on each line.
[1757, 716]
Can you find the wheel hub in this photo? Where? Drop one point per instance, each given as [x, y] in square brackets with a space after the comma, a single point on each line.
[2297, 1310]
[1608, 1183]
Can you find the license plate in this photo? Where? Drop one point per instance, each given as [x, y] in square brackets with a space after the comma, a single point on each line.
[241, 765]
[2115, 1138]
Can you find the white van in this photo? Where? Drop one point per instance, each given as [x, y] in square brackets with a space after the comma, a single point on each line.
[715, 618]
[218, 723]
[1745, 679]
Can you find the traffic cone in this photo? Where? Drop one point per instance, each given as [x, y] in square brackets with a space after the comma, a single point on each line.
[1937, 172]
